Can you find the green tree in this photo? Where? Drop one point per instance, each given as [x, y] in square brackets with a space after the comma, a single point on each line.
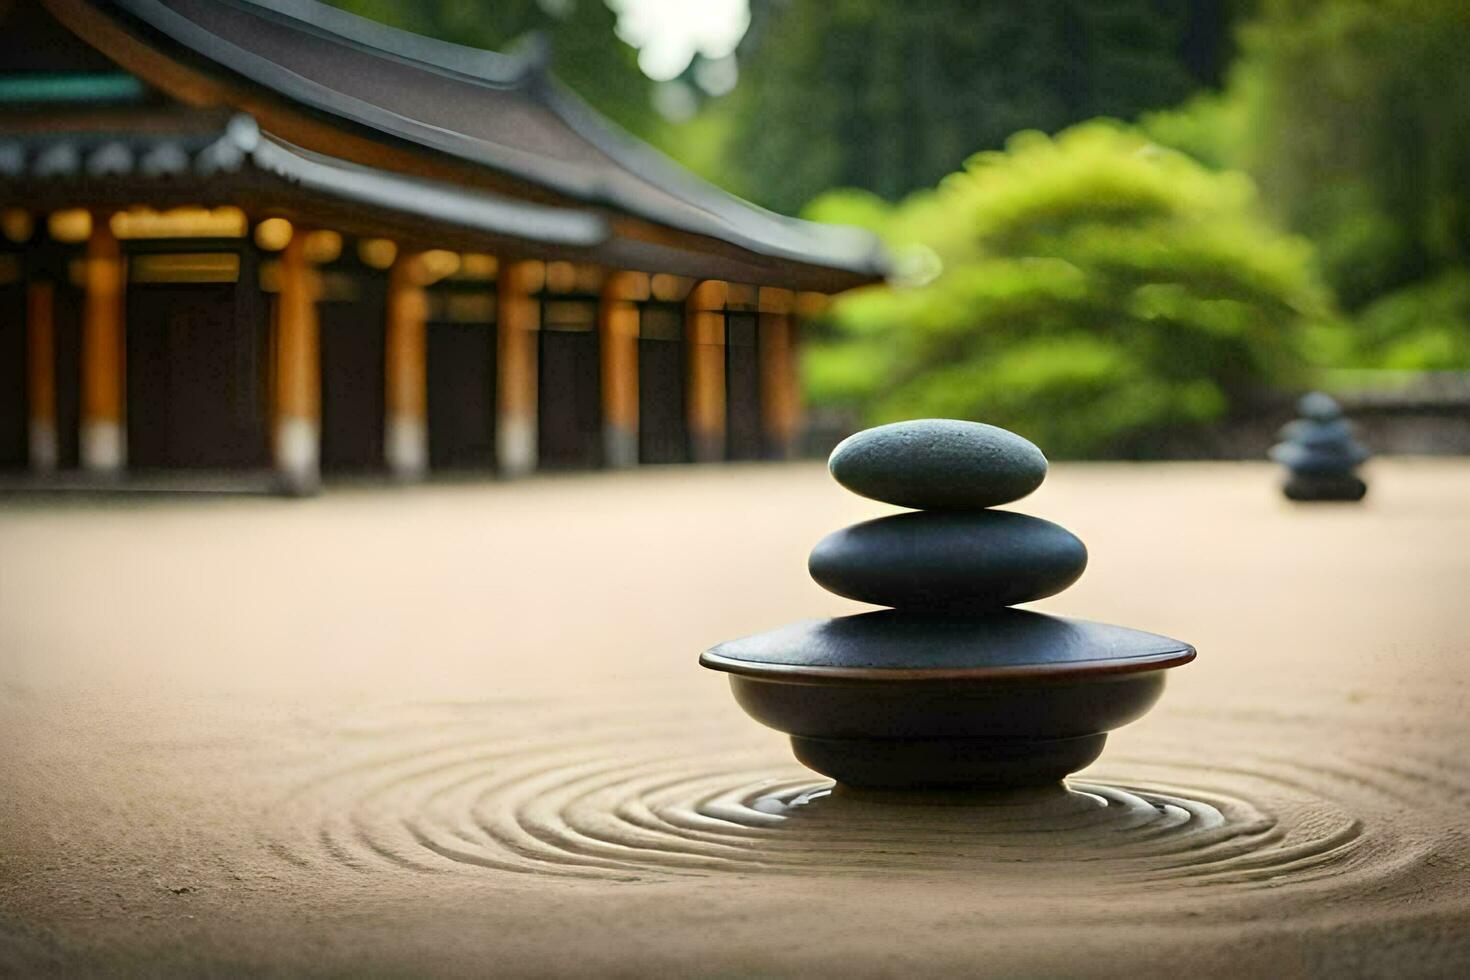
[1424, 326]
[1354, 118]
[889, 97]
[1359, 116]
[1086, 290]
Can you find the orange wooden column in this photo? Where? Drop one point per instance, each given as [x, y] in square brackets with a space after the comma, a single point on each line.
[103, 437]
[704, 339]
[406, 429]
[297, 386]
[780, 384]
[41, 375]
[617, 324]
[518, 319]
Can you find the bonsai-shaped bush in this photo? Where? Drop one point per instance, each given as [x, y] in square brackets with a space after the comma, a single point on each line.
[1085, 290]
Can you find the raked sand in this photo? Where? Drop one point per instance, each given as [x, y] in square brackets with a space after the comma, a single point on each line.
[460, 729]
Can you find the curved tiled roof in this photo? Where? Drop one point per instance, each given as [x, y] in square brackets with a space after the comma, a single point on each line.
[240, 145]
[500, 111]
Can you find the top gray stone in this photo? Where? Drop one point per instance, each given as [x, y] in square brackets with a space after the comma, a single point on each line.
[938, 464]
[1319, 406]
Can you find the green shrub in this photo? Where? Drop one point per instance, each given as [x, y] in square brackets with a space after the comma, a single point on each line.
[1354, 118]
[1423, 327]
[1359, 131]
[1084, 290]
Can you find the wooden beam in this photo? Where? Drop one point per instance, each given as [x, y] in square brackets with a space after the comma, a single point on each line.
[617, 324]
[297, 372]
[518, 317]
[781, 414]
[103, 437]
[704, 335]
[667, 288]
[775, 300]
[742, 297]
[41, 375]
[406, 428]
[809, 305]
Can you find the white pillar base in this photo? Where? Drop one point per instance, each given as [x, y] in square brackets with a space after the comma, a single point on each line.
[43, 452]
[619, 446]
[298, 454]
[515, 446]
[104, 446]
[406, 446]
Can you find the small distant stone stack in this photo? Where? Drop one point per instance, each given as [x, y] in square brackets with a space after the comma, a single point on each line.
[948, 687]
[1320, 454]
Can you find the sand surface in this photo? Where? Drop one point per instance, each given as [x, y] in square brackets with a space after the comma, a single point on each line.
[460, 729]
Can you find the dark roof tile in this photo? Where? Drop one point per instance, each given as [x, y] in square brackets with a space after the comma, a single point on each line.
[499, 111]
[241, 145]
[110, 160]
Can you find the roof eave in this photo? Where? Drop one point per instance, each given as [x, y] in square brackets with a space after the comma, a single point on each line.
[856, 256]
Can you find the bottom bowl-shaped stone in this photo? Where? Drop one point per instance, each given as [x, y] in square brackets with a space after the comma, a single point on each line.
[903, 701]
[1002, 710]
[946, 763]
[1346, 487]
[917, 734]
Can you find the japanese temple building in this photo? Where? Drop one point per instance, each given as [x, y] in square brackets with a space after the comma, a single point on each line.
[268, 235]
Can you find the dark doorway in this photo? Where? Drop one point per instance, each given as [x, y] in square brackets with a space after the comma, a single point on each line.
[14, 410]
[742, 387]
[195, 362]
[462, 394]
[663, 428]
[353, 335]
[569, 390]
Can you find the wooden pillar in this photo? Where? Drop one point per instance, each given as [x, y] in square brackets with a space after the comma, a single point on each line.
[103, 436]
[406, 429]
[617, 324]
[41, 375]
[780, 384]
[297, 387]
[704, 335]
[518, 320]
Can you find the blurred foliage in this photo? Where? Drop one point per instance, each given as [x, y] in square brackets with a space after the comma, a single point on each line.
[1354, 117]
[1421, 327]
[1360, 133]
[1152, 292]
[902, 93]
[1085, 290]
[585, 52]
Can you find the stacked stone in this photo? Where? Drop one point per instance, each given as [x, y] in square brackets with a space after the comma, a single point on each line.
[1320, 454]
[948, 688]
[952, 555]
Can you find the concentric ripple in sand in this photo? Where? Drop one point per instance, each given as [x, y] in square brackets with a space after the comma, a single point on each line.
[625, 798]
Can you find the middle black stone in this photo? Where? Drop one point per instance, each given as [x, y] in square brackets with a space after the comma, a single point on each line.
[949, 561]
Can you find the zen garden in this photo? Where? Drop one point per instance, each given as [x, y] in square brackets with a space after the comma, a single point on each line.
[746, 487]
